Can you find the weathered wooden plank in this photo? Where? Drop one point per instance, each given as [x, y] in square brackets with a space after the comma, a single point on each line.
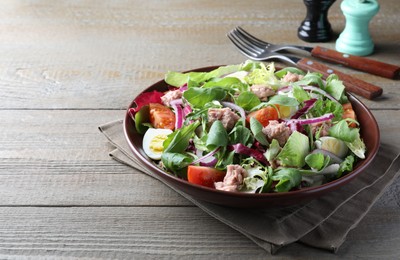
[166, 232]
[86, 189]
[58, 64]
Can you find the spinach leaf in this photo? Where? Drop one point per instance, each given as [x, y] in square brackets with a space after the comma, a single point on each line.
[178, 141]
[283, 100]
[247, 100]
[230, 84]
[256, 128]
[176, 162]
[217, 136]
[241, 134]
[198, 97]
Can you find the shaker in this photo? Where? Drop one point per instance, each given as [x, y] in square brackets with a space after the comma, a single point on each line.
[316, 27]
[355, 38]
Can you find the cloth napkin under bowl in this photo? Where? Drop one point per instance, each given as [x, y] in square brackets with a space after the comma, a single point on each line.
[318, 223]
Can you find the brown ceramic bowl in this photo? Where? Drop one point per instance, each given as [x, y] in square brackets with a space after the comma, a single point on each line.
[369, 133]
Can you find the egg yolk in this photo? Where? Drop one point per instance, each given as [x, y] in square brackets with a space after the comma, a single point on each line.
[156, 144]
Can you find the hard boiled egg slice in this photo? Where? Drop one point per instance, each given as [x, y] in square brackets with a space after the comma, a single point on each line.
[153, 141]
[333, 145]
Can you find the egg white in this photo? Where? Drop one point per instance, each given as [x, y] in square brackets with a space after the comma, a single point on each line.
[149, 136]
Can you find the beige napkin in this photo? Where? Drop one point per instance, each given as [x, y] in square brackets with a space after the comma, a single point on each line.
[322, 223]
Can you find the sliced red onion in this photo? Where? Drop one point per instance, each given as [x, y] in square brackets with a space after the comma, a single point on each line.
[176, 105]
[186, 110]
[131, 112]
[314, 120]
[176, 102]
[235, 107]
[208, 158]
[320, 91]
[284, 89]
[183, 88]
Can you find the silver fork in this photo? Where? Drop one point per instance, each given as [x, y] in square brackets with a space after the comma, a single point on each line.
[360, 63]
[255, 52]
[269, 46]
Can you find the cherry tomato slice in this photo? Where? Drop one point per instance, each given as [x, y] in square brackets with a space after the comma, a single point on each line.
[205, 176]
[264, 115]
[161, 116]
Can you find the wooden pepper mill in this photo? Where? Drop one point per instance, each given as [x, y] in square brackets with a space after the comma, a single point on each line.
[316, 27]
[355, 38]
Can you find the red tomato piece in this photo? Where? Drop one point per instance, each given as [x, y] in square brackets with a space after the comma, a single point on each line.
[205, 176]
[264, 115]
[161, 116]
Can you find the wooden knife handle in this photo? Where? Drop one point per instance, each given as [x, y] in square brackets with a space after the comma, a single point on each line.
[356, 62]
[352, 84]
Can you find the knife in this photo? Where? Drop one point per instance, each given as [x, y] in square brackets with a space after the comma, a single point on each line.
[356, 62]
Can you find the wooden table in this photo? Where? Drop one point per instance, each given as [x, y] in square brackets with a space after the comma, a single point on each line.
[67, 67]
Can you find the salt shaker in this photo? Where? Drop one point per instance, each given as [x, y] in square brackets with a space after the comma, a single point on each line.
[355, 38]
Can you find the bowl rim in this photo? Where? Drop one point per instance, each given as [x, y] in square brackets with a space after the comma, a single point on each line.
[337, 183]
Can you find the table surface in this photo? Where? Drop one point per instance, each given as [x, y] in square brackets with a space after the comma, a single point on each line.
[70, 66]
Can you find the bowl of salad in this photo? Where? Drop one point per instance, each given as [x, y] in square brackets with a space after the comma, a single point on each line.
[251, 135]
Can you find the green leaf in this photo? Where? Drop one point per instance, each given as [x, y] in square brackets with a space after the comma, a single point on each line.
[300, 94]
[322, 107]
[217, 136]
[288, 179]
[281, 73]
[198, 97]
[273, 150]
[241, 134]
[178, 141]
[283, 100]
[263, 76]
[256, 128]
[342, 131]
[175, 162]
[357, 147]
[311, 78]
[295, 150]
[335, 87]
[141, 118]
[346, 165]
[178, 79]
[247, 100]
[317, 161]
[230, 84]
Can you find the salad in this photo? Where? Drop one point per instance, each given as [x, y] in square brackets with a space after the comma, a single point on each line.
[250, 128]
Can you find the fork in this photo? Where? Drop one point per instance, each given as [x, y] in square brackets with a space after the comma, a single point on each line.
[360, 63]
[255, 52]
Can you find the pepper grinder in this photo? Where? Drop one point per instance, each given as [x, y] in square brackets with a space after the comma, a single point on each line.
[355, 38]
[316, 27]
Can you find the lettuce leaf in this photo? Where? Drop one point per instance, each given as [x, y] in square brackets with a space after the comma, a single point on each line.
[178, 79]
[295, 150]
[263, 76]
